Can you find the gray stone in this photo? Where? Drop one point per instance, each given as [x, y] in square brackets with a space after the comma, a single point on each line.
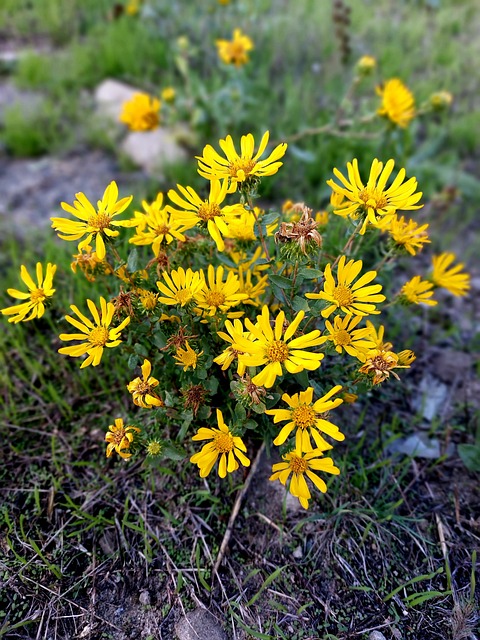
[153, 150]
[376, 635]
[199, 625]
[432, 396]
[109, 97]
[418, 445]
[144, 598]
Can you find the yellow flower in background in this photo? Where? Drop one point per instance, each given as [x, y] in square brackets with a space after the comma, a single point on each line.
[449, 277]
[299, 466]
[142, 389]
[187, 357]
[208, 213]
[398, 103]
[346, 338]
[274, 348]
[89, 264]
[242, 227]
[407, 234]
[308, 418]
[217, 295]
[235, 51]
[346, 295]
[223, 445]
[119, 438]
[141, 112]
[132, 7]
[373, 201]
[441, 100]
[239, 169]
[154, 448]
[230, 354]
[418, 291]
[157, 225]
[254, 291]
[95, 335]
[95, 223]
[321, 218]
[181, 286]
[168, 94]
[405, 358]
[34, 301]
[147, 299]
[366, 64]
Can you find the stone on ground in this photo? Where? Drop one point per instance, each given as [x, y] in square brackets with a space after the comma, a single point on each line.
[199, 625]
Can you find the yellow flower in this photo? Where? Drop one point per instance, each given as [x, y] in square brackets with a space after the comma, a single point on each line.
[345, 337]
[407, 234]
[242, 227]
[154, 448]
[120, 438]
[230, 354]
[94, 223]
[141, 112]
[347, 296]
[168, 94]
[207, 213]
[274, 350]
[366, 64]
[224, 445]
[132, 7]
[253, 291]
[183, 286]
[398, 103]
[450, 278]
[380, 363]
[373, 201]
[308, 418]
[148, 299]
[441, 100]
[96, 335]
[187, 357]
[141, 389]
[300, 466]
[321, 218]
[418, 291]
[405, 358]
[376, 335]
[218, 295]
[235, 51]
[34, 305]
[156, 226]
[240, 169]
[89, 264]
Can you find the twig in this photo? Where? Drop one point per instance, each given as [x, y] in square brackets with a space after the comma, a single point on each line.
[236, 509]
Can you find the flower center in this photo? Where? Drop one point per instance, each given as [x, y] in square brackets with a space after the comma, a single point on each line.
[298, 465]
[154, 448]
[151, 119]
[373, 198]
[189, 358]
[304, 416]
[242, 168]
[208, 211]
[143, 387]
[342, 295]
[214, 298]
[162, 231]
[149, 300]
[37, 296]
[277, 351]
[118, 436]
[223, 442]
[99, 221]
[183, 295]
[381, 364]
[342, 337]
[98, 336]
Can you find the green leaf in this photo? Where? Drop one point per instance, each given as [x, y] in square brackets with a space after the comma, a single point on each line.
[250, 424]
[470, 456]
[132, 260]
[173, 452]
[132, 361]
[270, 218]
[310, 274]
[188, 418]
[415, 599]
[259, 408]
[240, 413]
[281, 281]
[141, 350]
[159, 339]
[300, 304]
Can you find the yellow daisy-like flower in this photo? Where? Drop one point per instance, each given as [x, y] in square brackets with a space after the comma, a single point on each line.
[275, 349]
[217, 295]
[321, 218]
[300, 466]
[141, 112]
[366, 64]
[398, 103]
[168, 94]
[157, 225]
[89, 264]
[240, 169]
[208, 213]
[182, 286]
[373, 201]
[242, 227]
[119, 438]
[187, 358]
[34, 305]
[235, 51]
[450, 278]
[142, 389]
[223, 445]
[345, 337]
[380, 363]
[418, 291]
[376, 335]
[147, 299]
[230, 354]
[253, 291]
[96, 335]
[308, 418]
[345, 295]
[407, 234]
[94, 223]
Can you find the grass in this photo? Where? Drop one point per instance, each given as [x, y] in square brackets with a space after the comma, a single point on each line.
[93, 547]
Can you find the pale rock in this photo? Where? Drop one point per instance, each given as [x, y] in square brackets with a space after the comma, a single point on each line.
[376, 635]
[153, 150]
[109, 97]
[418, 445]
[199, 625]
[431, 397]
